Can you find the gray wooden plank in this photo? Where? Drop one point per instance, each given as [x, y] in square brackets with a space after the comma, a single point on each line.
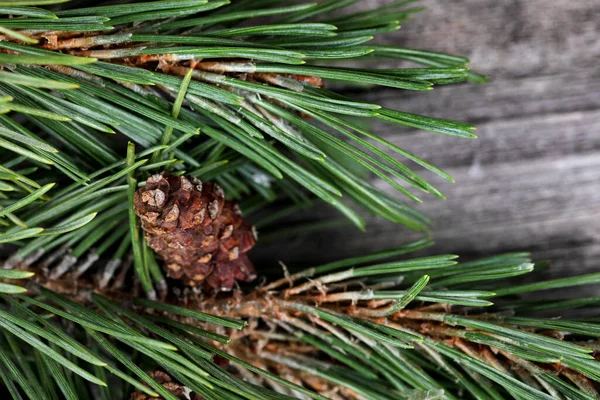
[506, 38]
[501, 98]
[522, 205]
[549, 137]
[495, 208]
[518, 118]
[530, 182]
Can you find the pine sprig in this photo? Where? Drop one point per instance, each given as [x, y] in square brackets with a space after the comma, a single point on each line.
[94, 98]
[360, 319]
[250, 85]
[339, 329]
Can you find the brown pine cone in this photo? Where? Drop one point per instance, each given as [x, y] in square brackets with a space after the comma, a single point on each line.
[201, 236]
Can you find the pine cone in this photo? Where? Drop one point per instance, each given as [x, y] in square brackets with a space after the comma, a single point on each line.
[201, 236]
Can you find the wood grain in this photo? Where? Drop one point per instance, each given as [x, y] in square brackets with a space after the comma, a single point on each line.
[508, 38]
[532, 179]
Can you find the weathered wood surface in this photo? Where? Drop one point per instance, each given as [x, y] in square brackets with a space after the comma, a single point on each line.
[532, 179]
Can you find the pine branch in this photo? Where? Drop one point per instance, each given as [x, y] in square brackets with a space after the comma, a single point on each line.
[410, 325]
[119, 69]
[96, 98]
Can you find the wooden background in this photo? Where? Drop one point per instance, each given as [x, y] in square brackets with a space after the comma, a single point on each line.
[532, 179]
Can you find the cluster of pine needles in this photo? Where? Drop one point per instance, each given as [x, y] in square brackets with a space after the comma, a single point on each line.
[95, 98]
